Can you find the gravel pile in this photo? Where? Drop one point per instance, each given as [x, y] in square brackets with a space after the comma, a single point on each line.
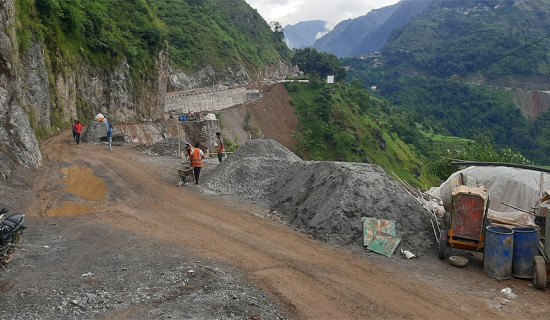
[167, 147]
[325, 199]
[329, 199]
[249, 172]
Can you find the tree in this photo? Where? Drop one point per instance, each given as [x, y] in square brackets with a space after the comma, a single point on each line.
[277, 30]
[309, 60]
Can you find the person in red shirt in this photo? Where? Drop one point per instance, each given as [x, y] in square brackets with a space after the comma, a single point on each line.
[78, 129]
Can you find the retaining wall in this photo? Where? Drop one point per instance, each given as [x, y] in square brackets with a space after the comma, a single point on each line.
[208, 100]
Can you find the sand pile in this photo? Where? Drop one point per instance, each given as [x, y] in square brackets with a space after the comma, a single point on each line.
[328, 200]
[250, 171]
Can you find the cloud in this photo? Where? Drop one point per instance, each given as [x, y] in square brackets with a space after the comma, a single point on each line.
[332, 11]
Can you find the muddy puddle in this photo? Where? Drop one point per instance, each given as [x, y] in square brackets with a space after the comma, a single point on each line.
[71, 209]
[82, 182]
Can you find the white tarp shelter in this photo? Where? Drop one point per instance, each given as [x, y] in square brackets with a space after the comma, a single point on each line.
[520, 188]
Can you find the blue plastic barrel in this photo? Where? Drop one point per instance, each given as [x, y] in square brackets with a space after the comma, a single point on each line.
[184, 117]
[526, 247]
[499, 246]
[180, 118]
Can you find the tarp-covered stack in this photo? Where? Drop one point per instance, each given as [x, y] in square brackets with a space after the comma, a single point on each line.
[508, 187]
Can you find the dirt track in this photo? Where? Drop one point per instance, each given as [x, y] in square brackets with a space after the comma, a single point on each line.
[302, 277]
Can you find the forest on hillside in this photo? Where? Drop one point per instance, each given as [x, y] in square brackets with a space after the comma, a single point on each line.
[444, 69]
[195, 33]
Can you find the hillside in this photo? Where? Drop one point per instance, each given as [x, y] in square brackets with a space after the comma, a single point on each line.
[369, 33]
[472, 69]
[342, 123]
[66, 60]
[457, 37]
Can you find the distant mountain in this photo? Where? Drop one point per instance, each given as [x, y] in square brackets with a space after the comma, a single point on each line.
[303, 34]
[369, 33]
[471, 68]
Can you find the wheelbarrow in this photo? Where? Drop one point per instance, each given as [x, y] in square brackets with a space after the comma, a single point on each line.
[464, 227]
[186, 172]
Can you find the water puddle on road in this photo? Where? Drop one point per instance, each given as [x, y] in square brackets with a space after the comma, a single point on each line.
[82, 182]
[70, 209]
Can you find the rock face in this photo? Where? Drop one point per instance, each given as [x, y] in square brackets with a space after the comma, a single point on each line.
[18, 144]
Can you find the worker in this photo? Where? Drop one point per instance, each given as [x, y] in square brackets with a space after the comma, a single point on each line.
[78, 130]
[197, 157]
[110, 127]
[221, 146]
[188, 150]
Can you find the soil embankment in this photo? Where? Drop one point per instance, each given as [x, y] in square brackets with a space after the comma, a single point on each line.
[271, 117]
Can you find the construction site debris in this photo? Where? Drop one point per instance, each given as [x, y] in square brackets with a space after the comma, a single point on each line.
[458, 261]
[508, 293]
[380, 236]
[407, 254]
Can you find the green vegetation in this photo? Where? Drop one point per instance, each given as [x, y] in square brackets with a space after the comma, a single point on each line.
[104, 33]
[345, 123]
[195, 32]
[219, 33]
[441, 143]
[318, 65]
[457, 37]
[482, 151]
[247, 126]
[425, 67]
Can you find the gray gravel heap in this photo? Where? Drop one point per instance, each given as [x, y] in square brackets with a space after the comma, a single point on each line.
[325, 199]
[250, 171]
[329, 199]
[167, 147]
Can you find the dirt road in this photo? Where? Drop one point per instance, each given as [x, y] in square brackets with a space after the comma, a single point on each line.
[299, 277]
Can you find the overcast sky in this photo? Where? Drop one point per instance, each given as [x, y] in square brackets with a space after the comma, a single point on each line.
[332, 11]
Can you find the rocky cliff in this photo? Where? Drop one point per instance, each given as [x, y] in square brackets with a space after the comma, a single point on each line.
[18, 144]
[38, 94]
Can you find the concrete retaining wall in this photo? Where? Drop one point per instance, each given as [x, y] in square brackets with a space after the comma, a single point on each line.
[208, 100]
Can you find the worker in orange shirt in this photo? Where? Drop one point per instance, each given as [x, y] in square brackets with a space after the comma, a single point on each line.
[221, 146]
[197, 157]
